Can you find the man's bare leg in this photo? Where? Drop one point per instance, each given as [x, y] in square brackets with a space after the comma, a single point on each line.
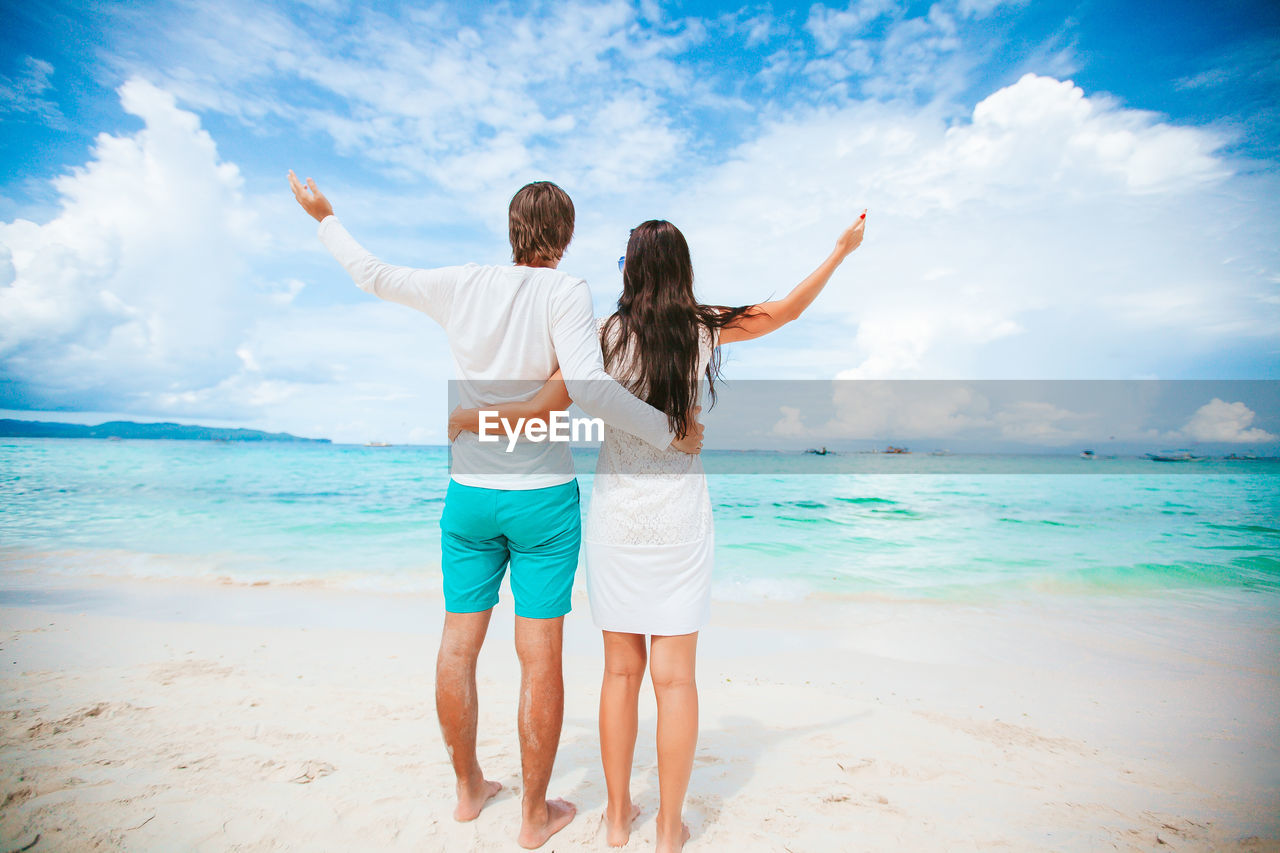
[671, 665]
[458, 707]
[538, 645]
[624, 660]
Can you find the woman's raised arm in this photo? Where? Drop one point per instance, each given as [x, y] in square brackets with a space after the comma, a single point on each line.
[770, 316]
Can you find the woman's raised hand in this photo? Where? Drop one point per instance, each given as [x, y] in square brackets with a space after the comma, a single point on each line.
[852, 236]
[310, 197]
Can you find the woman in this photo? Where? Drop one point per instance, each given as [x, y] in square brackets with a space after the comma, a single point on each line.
[648, 538]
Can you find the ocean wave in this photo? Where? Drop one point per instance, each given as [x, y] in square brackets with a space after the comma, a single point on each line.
[350, 518]
[865, 500]
[1243, 528]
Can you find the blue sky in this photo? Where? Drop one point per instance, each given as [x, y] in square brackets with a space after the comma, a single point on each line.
[1057, 190]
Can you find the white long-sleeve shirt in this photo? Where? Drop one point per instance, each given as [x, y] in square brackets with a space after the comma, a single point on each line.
[509, 329]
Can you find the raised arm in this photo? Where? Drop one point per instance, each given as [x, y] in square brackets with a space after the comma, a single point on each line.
[771, 316]
[552, 397]
[429, 291]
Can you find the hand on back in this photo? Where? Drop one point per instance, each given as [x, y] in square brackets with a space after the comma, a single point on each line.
[458, 420]
[692, 441]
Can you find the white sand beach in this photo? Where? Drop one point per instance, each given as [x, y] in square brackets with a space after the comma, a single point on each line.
[161, 716]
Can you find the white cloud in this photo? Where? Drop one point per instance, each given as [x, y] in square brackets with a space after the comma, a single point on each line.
[1048, 127]
[1038, 413]
[1045, 202]
[792, 423]
[874, 410]
[898, 409]
[878, 49]
[1044, 423]
[352, 373]
[758, 30]
[1043, 232]
[23, 94]
[831, 28]
[579, 90]
[887, 410]
[136, 283]
[1053, 215]
[1219, 420]
[142, 294]
[982, 8]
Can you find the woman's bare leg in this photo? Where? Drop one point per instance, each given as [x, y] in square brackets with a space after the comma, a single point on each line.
[624, 659]
[672, 661]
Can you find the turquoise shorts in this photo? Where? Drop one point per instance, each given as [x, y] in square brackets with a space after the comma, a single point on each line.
[537, 531]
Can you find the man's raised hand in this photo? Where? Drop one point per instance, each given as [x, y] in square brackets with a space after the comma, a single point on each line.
[310, 197]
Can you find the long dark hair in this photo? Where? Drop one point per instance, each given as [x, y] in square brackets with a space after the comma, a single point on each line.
[658, 322]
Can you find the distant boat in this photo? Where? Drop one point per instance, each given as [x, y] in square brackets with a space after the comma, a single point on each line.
[940, 453]
[892, 449]
[1088, 454]
[1173, 456]
[822, 452]
[376, 444]
[1242, 457]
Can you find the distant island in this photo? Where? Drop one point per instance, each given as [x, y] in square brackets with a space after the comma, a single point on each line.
[129, 429]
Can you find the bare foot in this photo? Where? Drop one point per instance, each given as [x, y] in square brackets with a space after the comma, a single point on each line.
[620, 829]
[559, 813]
[471, 802]
[668, 845]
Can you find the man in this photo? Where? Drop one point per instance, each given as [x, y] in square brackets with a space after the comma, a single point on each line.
[509, 329]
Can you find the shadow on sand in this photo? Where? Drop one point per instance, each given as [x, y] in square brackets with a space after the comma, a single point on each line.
[726, 761]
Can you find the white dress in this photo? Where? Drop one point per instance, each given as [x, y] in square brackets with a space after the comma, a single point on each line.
[648, 539]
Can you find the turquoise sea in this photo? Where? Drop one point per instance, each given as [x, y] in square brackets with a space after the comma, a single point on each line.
[958, 528]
